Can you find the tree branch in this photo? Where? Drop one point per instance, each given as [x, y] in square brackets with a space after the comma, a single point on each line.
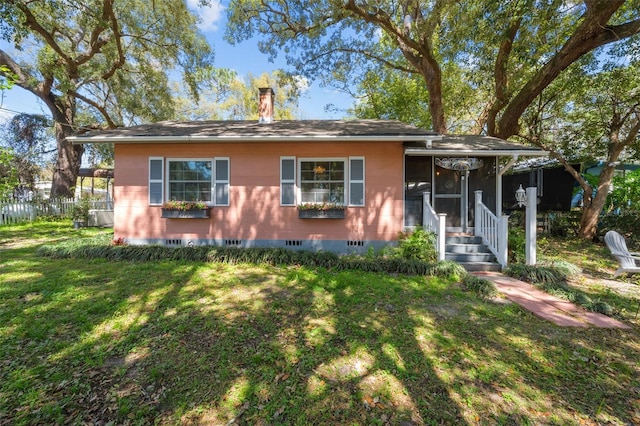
[593, 32]
[108, 11]
[94, 104]
[95, 41]
[23, 80]
[35, 26]
[500, 74]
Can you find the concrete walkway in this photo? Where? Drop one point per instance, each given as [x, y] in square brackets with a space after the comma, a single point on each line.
[546, 306]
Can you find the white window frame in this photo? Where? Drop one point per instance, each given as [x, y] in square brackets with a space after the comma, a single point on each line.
[160, 181]
[284, 181]
[168, 181]
[360, 181]
[344, 160]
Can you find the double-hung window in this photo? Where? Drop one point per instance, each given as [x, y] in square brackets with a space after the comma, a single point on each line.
[189, 180]
[320, 181]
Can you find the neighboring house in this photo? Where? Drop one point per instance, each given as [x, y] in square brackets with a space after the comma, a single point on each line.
[555, 186]
[256, 175]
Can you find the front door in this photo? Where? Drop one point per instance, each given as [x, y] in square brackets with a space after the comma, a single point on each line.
[451, 196]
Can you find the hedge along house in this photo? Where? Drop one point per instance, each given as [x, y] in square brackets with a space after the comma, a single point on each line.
[271, 183]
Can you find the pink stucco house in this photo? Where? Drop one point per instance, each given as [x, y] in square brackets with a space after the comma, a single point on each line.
[256, 175]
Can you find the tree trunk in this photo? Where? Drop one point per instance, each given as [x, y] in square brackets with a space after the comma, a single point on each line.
[591, 212]
[69, 156]
[433, 79]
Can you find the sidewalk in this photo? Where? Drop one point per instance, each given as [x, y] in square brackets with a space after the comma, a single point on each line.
[546, 306]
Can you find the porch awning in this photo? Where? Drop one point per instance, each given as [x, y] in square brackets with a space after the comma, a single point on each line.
[476, 145]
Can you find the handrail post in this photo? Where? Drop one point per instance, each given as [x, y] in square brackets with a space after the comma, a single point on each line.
[503, 240]
[478, 225]
[442, 235]
[530, 225]
[426, 202]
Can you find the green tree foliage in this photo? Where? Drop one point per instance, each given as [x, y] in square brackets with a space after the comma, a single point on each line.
[29, 136]
[7, 78]
[626, 192]
[100, 63]
[227, 96]
[507, 53]
[392, 96]
[30, 140]
[8, 173]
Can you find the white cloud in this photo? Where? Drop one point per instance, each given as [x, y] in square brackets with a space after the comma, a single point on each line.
[209, 15]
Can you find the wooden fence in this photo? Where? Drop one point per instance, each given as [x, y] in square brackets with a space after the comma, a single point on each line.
[15, 211]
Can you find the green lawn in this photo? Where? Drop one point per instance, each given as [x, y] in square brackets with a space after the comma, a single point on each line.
[196, 343]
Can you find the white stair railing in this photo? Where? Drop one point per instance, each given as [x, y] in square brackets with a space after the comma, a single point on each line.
[493, 230]
[434, 222]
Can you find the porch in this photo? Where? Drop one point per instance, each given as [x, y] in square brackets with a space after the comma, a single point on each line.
[453, 187]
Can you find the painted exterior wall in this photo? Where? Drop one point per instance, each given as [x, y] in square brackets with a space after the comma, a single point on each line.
[254, 216]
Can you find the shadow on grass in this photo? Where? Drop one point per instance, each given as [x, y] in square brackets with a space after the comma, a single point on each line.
[168, 342]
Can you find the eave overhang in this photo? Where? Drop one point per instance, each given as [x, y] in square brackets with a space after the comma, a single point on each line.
[79, 140]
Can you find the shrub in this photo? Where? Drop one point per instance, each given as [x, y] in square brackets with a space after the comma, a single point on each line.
[601, 307]
[418, 245]
[626, 223]
[517, 245]
[272, 256]
[535, 274]
[563, 267]
[80, 210]
[481, 287]
[561, 223]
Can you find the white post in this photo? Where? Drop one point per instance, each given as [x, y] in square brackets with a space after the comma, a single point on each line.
[503, 240]
[477, 231]
[442, 235]
[426, 202]
[498, 191]
[531, 225]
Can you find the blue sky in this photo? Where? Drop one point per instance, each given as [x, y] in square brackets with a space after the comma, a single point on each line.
[244, 58]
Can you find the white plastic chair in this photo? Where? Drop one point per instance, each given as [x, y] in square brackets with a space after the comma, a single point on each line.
[618, 247]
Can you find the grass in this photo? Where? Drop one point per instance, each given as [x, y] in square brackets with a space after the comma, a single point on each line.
[171, 342]
[596, 282]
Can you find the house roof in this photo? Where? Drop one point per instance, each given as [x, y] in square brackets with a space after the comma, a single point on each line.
[417, 141]
[473, 145]
[252, 131]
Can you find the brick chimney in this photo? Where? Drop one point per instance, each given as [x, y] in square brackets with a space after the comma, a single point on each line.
[265, 106]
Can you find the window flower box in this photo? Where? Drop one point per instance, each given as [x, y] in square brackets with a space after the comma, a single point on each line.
[321, 211]
[185, 210]
[185, 214]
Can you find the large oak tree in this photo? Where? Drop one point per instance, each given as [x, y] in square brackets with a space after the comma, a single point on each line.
[99, 63]
[595, 117]
[515, 49]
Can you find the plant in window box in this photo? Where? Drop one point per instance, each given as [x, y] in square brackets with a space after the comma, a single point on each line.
[176, 209]
[321, 211]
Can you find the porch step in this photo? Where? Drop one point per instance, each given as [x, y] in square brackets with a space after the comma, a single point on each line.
[463, 239]
[481, 266]
[469, 252]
